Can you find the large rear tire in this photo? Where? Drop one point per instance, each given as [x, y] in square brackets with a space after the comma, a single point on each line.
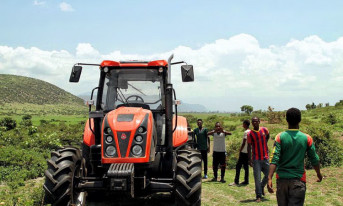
[188, 177]
[64, 168]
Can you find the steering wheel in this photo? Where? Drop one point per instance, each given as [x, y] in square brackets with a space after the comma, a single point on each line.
[137, 98]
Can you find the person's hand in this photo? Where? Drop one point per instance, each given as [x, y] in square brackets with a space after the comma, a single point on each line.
[320, 177]
[208, 149]
[270, 186]
[250, 163]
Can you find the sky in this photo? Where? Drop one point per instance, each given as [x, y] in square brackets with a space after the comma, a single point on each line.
[261, 53]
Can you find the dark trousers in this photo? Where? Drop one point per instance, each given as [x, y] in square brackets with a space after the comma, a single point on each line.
[204, 159]
[219, 159]
[242, 161]
[290, 192]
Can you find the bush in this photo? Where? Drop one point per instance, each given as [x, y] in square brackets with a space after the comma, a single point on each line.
[330, 119]
[211, 121]
[329, 150]
[26, 117]
[8, 123]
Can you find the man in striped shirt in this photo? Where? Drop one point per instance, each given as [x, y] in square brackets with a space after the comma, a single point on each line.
[257, 142]
[288, 160]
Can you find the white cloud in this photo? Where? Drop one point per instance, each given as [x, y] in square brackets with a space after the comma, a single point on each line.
[228, 72]
[66, 7]
[39, 3]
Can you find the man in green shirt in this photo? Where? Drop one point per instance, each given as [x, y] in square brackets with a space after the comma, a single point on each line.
[287, 159]
[203, 144]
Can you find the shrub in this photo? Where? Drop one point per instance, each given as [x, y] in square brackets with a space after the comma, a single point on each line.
[330, 119]
[26, 117]
[26, 123]
[211, 121]
[8, 123]
[329, 150]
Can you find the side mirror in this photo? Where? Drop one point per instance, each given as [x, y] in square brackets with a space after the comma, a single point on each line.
[187, 73]
[75, 74]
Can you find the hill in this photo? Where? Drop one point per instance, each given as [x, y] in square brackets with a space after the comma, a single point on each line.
[26, 90]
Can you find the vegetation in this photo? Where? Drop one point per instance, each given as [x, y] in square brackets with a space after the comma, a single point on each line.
[18, 89]
[247, 109]
[29, 131]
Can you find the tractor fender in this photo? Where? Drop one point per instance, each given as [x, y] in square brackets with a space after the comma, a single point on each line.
[88, 136]
[180, 135]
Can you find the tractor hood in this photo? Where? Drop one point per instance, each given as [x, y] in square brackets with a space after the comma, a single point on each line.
[127, 136]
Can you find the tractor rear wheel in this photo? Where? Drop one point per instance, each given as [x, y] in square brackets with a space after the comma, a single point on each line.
[65, 166]
[188, 177]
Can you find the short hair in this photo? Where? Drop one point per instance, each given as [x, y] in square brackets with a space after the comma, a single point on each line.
[293, 116]
[256, 118]
[199, 120]
[246, 122]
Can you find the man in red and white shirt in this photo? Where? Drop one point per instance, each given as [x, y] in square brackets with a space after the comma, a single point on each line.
[257, 142]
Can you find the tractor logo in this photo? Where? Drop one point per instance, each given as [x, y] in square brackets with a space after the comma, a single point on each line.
[123, 136]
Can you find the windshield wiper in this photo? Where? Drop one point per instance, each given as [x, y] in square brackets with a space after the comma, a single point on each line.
[136, 89]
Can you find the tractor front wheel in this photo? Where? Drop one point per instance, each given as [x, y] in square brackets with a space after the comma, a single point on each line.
[188, 177]
[65, 167]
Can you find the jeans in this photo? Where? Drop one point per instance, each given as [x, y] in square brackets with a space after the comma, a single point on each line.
[242, 161]
[290, 192]
[258, 167]
[204, 159]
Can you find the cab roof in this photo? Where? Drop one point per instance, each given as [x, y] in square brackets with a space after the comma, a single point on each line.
[157, 63]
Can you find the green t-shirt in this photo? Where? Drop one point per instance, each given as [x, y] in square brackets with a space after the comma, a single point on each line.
[201, 138]
[289, 153]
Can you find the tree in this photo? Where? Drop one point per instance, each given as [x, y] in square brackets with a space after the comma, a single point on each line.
[247, 109]
[320, 105]
[313, 105]
[308, 106]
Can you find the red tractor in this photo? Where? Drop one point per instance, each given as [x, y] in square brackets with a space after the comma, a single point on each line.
[134, 144]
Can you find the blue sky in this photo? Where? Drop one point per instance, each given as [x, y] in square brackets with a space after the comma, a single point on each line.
[156, 26]
[270, 37]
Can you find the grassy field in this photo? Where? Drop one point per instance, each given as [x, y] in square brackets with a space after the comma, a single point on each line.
[25, 148]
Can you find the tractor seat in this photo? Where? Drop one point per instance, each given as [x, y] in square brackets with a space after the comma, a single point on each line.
[144, 106]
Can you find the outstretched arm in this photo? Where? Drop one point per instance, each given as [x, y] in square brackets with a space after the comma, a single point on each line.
[227, 133]
[210, 133]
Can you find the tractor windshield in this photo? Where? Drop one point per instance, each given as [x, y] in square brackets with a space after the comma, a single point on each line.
[141, 87]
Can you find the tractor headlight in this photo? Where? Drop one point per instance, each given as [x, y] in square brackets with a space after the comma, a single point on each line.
[108, 130]
[139, 138]
[137, 150]
[109, 139]
[111, 151]
[141, 129]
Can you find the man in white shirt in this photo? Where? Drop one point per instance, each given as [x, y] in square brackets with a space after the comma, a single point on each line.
[219, 156]
[243, 157]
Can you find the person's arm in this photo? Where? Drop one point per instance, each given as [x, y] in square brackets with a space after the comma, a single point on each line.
[210, 133]
[227, 133]
[272, 169]
[314, 158]
[242, 146]
[209, 144]
[274, 161]
[249, 154]
[319, 175]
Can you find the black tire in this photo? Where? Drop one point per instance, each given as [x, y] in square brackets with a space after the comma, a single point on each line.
[188, 177]
[63, 166]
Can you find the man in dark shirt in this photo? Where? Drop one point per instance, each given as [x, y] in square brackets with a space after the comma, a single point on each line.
[203, 144]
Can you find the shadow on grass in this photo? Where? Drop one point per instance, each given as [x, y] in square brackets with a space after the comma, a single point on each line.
[253, 200]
